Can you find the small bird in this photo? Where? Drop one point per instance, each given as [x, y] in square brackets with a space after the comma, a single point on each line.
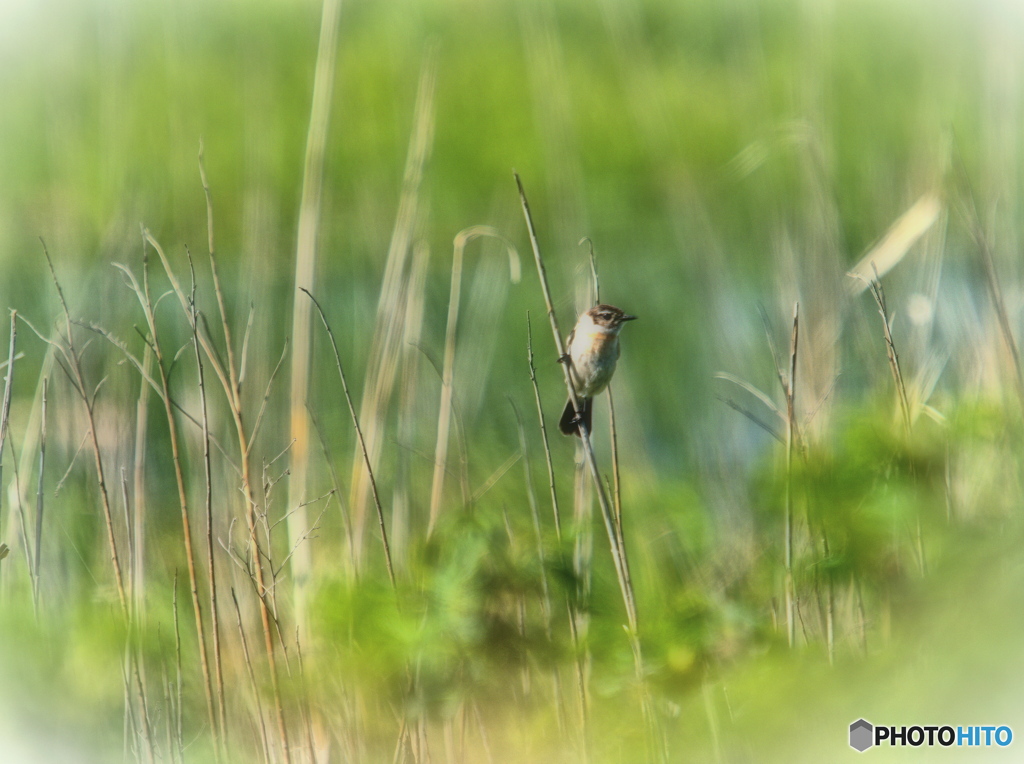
[592, 349]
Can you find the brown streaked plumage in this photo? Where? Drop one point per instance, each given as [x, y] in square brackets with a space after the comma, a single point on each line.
[593, 349]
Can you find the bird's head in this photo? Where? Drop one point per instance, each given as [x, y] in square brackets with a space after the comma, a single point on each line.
[608, 317]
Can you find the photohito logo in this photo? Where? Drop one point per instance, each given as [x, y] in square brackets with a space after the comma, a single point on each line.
[864, 735]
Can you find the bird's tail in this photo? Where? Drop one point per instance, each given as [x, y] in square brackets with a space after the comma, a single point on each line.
[569, 424]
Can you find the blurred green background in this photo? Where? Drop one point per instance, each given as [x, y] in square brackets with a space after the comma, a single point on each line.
[727, 160]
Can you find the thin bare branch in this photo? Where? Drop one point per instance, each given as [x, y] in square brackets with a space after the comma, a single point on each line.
[208, 504]
[266, 398]
[359, 436]
[543, 429]
[75, 368]
[140, 366]
[345, 519]
[252, 678]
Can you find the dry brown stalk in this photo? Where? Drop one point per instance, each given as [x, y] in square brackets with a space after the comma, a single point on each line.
[144, 368]
[228, 378]
[139, 484]
[208, 503]
[143, 294]
[235, 390]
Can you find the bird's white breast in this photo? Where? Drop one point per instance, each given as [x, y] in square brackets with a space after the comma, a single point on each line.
[594, 351]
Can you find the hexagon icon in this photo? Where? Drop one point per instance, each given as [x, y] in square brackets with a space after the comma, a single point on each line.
[862, 735]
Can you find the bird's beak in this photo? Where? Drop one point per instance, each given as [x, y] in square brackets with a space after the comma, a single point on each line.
[630, 318]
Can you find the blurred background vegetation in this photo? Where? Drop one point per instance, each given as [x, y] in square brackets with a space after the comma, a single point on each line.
[727, 159]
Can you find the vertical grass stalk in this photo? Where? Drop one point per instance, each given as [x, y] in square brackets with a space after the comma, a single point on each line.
[39, 490]
[229, 380]
[139, 483]
[791, 436]
[621, 565]
[5, 413]
[305, 272]
[903, 401]
[143, 294]
[208, 505]
[444, 416]
[389, 325]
